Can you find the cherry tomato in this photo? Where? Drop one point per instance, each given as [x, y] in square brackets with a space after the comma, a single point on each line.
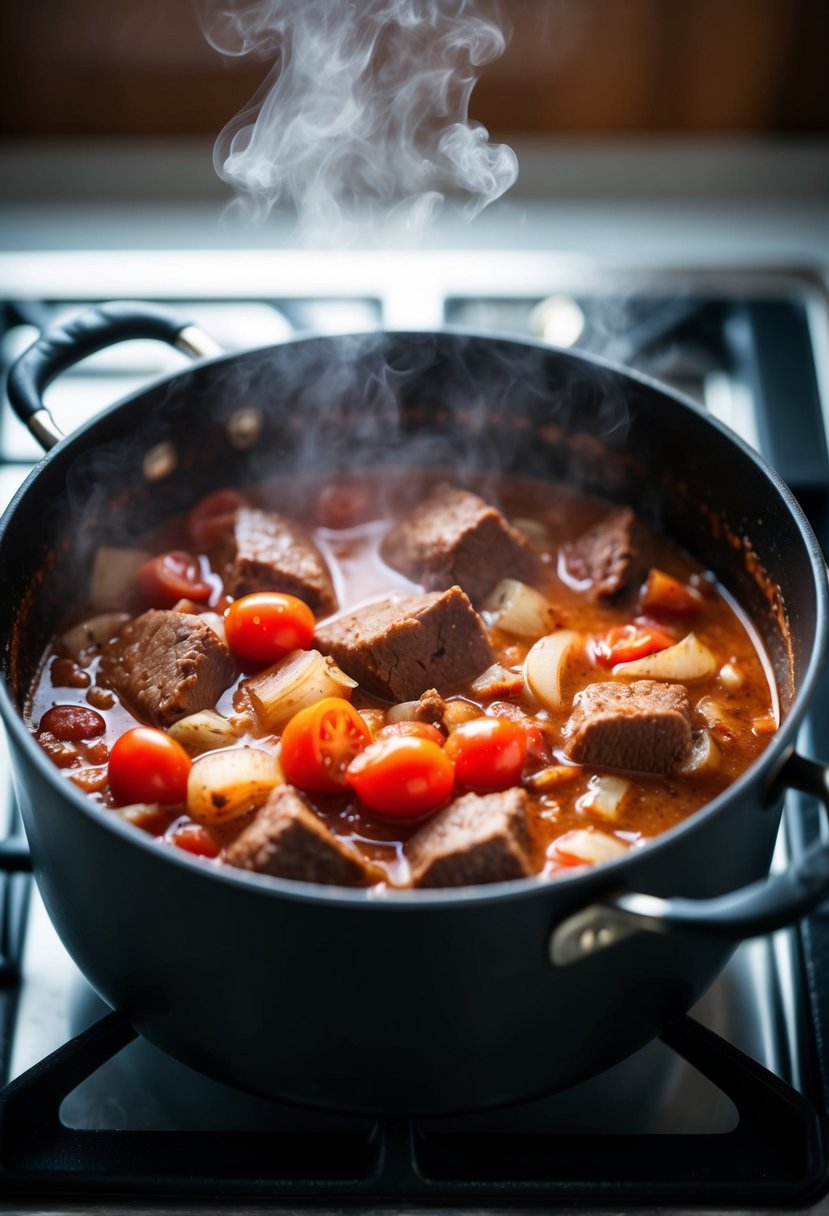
[420, 730]
[402, 778]
[264, 626]
[212, 516]
[320, 742]
[664, 594]
[71, 723]
[145, 765]
[193, 838]
[624, 643]
[170, 577]
[344, 504]
[489, 753]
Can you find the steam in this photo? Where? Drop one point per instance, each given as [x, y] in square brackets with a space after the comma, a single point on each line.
[363, 121]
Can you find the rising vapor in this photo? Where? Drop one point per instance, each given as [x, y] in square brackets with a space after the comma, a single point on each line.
[363, 120]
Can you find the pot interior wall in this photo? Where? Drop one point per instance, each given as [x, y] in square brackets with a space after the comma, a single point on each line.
[460, 402]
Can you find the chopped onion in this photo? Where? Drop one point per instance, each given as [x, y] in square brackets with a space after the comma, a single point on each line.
[204, 731]
[225, 784]
[113, 575]
[497, 681]
[91, 634]
[711, 710]
[588, 845]
[552, 776]
[605, 795]
[532, 530]
[405, 711]
[687, 660]
[544, 666]
[731, 676]
[765, 725]
[705, 756]
[519, 609]
[301, 678]
[216, 623]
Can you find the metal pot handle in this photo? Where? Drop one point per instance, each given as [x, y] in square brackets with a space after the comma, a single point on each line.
[772, 903]
[64, 345]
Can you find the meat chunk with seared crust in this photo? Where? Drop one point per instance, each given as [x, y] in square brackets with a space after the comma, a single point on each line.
[608, 555]
[165, 665]
[455, 537]
[399, 648]
[478, 838]
[286, 839]
[644, 726]
[265, 551]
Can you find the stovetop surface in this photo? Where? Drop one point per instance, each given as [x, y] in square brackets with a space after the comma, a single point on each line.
[752, 349]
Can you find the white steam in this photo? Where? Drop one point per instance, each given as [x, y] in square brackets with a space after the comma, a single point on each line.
[364, 117]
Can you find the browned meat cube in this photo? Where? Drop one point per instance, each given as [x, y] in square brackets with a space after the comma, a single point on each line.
[454, 537]
[431, 709]
[644, 726]
[607, 554]
[287, 840]
[478, 838]
[268, 552]
[399, 648]
[165, 665]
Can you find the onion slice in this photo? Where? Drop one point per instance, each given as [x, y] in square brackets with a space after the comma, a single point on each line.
[519, 609]
[588, 846]
[544, 666]
[704, 758]
[687, 660]
[85, 639]
[225, 784]
[205, 731]
[301, 678]
[605, 795]
[113, 575]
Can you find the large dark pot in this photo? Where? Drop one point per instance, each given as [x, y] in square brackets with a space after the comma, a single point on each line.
[416, 1001]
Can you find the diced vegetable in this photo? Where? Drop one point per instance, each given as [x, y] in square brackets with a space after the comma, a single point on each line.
[605, 795]
[113, 575]
[552, 776]
[302, 678]
[766, 725]
[533, 530]
[712, 711]
[731, 677]
[204, 731]
[169, 577]
[459, 710]
[497, 681]
[404, 711]
[146, 765]
[664, 594]
[626, 643]
[319, 743]
[705, 756]
[375, 719]
[545, 664]
[687, 660]
[587, 846]
[520, 609]
[149, 816]
[83, 640]
[225, 784]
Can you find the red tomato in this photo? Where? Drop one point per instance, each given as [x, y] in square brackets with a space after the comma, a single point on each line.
[264, 626]
[319, 743]
[193, 838]
[170, 577]
[489, 753]
[212, 516]
[624, 643]
[72, 723]
[145, 765]
[421, 730]
[402, 778]
[344, 504]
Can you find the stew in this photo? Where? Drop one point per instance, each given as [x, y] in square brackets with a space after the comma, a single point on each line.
[393, 682]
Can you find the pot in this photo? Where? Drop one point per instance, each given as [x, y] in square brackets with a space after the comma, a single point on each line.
[422, 1001]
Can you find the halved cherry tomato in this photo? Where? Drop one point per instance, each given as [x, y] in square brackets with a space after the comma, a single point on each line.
[170, 577]
[624, 643]
[320, 742]
[663, 593]
[212, 516]
[145, 765]
[195, 839]
[402, 778]
[421, 730]
[264, 626]
[489, 753]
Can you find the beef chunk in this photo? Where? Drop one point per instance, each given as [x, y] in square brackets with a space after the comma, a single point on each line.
[478, 838]
[287, 839]
[454, 537]
[399, 648]
[644, 726]
[165, 665]
[265, 551]
[431, 709]
[608, 555]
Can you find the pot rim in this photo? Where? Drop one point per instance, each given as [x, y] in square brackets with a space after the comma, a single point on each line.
[770, 761]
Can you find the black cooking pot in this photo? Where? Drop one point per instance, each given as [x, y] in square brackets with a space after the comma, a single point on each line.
[421, 1001]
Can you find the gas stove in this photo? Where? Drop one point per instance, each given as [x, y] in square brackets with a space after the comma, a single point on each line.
[731, 1106]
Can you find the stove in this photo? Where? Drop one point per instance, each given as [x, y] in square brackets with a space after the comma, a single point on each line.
[731, 1106]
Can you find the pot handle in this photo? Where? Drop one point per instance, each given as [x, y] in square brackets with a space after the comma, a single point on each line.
[762, 907]
[61, 346]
